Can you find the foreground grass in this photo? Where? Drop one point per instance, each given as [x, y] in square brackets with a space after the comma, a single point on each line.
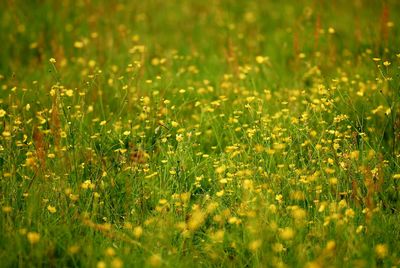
[223, 133]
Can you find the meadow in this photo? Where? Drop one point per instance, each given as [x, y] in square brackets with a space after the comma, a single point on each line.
[199, 133]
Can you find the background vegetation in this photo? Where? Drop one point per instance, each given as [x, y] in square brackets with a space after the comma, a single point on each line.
[199, 133]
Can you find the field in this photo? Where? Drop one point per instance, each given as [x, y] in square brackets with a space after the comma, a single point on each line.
[199, 133]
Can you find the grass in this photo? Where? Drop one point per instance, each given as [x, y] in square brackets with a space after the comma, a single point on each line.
[199, 133]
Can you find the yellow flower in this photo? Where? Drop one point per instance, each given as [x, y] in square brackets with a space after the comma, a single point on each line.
[355, 154]
[33, 237]
[73, 249]
[51, 209]
[87, 185]
[78, 44]
[279, 197]
[331, 245]
[101, 264]
[278, 247]
[155, 61]
[109, 252]
[117, 263]
[2, 113]
[179, 137]
[218, 236]
[69, 92]
[381, 250]
[155, 260]
[299, 214]
[313, 264]
[220, 169]
[6, 209]
[261, 59]
[287, 233]
[138, 231]
[52, 60]
[196, 220]
[255, 245]
[349, 213]
[220, 193]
